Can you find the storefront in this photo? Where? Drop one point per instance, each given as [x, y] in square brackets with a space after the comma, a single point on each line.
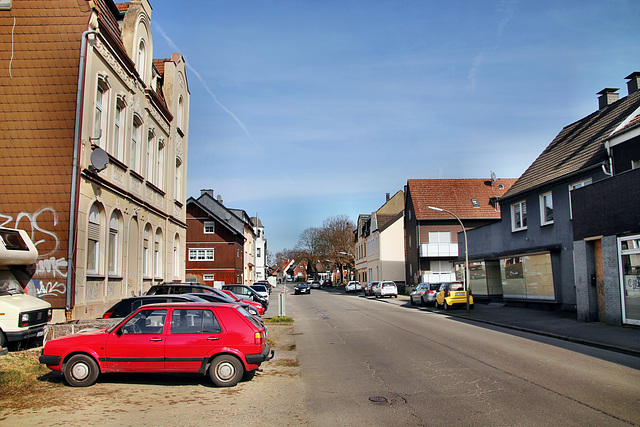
[629, 250]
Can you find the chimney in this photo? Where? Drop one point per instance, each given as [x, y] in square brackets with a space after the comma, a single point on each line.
[219, 199]
[209, 192]
[608, 96]
[388, 194]
[634, 82]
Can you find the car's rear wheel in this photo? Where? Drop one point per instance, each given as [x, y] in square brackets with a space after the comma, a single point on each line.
[446, 306]
[225, 370]
[81, 371]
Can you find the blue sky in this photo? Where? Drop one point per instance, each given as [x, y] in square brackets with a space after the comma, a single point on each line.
[303, 110]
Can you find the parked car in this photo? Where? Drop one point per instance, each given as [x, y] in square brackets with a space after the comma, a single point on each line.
[228, 300]
[425, 294]
[265, 283]
[252, 303]
[453, 295]
[327, 283]
[180, 288]
[245, 292]
[368, 288]
[302, 288]
[386, 289]
[261, 290]
[223, 340]
[353, 287]
[127, 306]
[315, 284]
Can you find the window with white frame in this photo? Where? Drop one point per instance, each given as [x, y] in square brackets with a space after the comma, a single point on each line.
[208, 277]
[519, 216]
[146, 252]
[101, 108]
[209, 227]
[258, 252]
[93, 240]
[149, 154]
[157, 254]
[176, 255]
[117, 137]
[114, 241]
[142, 59]
[546, 209]
[439, 237]
[201, 254]
[160, 165]
[135, 142]
[574, 186]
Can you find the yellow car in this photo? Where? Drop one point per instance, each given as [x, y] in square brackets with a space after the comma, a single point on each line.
[452, 295]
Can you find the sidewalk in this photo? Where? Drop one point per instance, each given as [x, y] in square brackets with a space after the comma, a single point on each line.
[561, 325]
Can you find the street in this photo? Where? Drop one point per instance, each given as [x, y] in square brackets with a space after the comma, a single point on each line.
[381, 362]
[352, 361]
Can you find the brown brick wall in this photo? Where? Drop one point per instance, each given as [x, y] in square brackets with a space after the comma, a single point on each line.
[37, 110]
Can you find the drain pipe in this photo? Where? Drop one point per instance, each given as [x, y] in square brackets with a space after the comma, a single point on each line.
[74, 172]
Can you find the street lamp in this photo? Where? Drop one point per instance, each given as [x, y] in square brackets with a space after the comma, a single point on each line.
[466, 251]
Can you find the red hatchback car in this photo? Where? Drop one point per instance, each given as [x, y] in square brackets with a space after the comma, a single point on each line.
[223, 340]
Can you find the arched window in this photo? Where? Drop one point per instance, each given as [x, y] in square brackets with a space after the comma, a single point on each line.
[176, 256]
[93, 240]
[146, 252]
[151, 138]
[180, 114]
[100, 113]
[142, 59]
[157, 254]
[114, 244]
[118, 122]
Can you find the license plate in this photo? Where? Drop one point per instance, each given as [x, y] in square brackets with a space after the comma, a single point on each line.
[460, 294]
[40, 334]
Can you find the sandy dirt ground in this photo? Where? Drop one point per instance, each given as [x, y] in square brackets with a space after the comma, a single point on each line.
[273, 397]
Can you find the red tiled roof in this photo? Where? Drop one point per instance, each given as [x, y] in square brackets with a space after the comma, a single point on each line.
[456, 195]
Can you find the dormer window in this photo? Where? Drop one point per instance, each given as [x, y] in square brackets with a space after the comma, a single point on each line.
[475, 203]
[142, 59]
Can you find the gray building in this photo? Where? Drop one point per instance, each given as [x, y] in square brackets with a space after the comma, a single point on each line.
[529, 254]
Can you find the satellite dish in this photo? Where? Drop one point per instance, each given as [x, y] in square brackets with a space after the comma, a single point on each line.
[99, 160]
[493, 177]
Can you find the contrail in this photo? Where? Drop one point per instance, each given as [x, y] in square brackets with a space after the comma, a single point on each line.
[215, 98]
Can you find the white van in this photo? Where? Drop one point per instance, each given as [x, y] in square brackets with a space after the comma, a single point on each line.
[21, 316]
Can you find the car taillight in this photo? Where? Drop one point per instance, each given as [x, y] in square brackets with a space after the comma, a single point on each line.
[431, 292]
[446, 294]
[257, 338]
[107, 315]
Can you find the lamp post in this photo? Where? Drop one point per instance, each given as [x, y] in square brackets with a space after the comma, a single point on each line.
[466, 251]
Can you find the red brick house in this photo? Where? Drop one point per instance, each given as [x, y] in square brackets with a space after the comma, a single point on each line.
[215, 242]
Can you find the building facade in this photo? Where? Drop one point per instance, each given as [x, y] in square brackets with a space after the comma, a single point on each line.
[379, 247]
[552, 249]
[431, 237]
[101, 130]
[260, 256]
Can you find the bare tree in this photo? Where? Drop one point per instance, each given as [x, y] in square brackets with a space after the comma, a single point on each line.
[339, 242]
[311, 248]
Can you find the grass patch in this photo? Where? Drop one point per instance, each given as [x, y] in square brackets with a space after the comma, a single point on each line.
[279, 319]
[19, 373]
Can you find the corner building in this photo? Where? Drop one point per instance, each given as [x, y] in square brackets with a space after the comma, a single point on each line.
[93, 150]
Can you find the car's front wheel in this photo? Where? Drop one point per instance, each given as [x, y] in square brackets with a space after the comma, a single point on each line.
[225, 370]
[81, 371]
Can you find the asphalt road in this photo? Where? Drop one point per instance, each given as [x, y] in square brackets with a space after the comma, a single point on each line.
[380, 363]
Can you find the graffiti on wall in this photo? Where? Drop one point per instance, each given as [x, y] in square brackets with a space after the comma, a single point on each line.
[51, 266]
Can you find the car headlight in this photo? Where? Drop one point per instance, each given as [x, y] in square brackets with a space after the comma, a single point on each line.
[24, 320]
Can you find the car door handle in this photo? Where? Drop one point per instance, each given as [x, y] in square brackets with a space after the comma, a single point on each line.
[155, 339]
[212, 339]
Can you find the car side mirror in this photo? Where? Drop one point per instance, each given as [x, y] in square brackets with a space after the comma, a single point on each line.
[119, 332]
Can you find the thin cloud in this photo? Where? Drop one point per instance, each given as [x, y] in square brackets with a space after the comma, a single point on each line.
[206, 87]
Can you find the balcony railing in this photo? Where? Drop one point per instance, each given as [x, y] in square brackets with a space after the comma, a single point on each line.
[436, 250]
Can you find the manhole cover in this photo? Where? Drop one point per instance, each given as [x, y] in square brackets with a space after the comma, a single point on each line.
[378, 399]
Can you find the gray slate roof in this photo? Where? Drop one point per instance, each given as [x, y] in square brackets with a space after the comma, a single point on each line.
[577, 147]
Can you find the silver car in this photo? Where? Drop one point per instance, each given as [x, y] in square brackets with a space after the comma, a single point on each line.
[425, 294]
[353, 286]
[386, 289]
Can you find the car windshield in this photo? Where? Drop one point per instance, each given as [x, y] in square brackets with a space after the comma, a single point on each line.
[8, 284]
[434, 286]
[388, 285]
[259, 288]
[456, 287]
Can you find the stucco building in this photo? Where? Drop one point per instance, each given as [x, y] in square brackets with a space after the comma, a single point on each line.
[93, 150]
